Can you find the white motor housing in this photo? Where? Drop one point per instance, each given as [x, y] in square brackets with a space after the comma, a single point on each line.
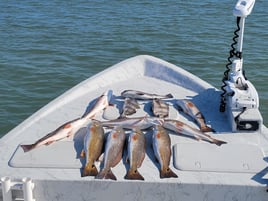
[242, 101]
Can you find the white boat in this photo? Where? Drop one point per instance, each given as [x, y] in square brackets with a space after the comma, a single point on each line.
[237, 170]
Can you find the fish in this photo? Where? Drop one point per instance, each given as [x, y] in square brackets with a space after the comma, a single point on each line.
[129, 123]
[190, 109]
[184, 129]
[162, 150]
[143, 95]
[113, 153]
[160, 108]
[136, 154]
[93, 143]
[68, 129]
[101, 103]
[130, 107]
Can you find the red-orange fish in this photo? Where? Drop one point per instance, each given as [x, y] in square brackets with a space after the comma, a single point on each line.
[162, 150]
[93, 143]
[70, 128]
[136, 154]
[113, 153]
[184, 129]
[190, 109]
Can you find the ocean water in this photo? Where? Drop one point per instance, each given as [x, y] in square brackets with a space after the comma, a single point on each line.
[46, 47]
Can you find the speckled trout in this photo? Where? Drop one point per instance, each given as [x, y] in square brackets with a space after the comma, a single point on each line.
[190, 109]
[184, 129]
[162, 151]
[70, 128]
[113, 153]
[136, 153]
[93, 143]
[143, 95]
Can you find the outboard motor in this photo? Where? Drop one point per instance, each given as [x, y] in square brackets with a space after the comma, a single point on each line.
[239, 98]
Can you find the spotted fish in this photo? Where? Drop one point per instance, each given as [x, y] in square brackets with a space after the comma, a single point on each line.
[70, 128]
[93, 143]
[113, 153]
[162, 151]
[184, 129]
[136, 154]
[190, 109]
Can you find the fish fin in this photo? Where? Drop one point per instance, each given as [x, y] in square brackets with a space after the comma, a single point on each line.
[127, 160]
[82, 154]
[197, 138]
[218, 142]
[27, 147]
[49, 142]
[134, 175]
[101, 157]
[167, 173]
[207, 129]
[106, 174]
[89, 171]
[169, 96]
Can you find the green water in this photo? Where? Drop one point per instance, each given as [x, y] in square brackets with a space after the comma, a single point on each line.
[49, 46]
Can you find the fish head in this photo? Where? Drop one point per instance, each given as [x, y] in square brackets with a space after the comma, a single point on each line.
[117, 132]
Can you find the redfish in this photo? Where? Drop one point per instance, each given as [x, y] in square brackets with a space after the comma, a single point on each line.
[162, 151]
[93, 143]
[190, 109]
[184, 129]
[113, 153]
[70, 128]
[136, 154]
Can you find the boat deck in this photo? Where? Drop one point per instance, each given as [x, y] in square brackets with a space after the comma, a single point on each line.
[233, 171]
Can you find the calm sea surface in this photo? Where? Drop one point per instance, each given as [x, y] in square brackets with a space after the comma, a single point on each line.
[46, 47]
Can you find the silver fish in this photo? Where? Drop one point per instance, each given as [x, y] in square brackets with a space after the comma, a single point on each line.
[190, 109]
[130, 107]
[160, 108]
[162, 150]
[101, 103]
[66, 130]
[184, 129]
[113, 153]
[93, 143]
[70, 128]
[130, 123]
[136, 153]
[143, 95]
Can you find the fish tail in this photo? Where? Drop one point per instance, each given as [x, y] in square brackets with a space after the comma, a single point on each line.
[167, 173]
[207, 129]
[169, 96]
[134, 175]
[90, 171]
[27, 147]
[106, 174]
[218, 142]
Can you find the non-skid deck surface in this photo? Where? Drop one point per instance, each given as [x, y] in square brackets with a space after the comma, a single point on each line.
[226, 158]
[61, 154]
